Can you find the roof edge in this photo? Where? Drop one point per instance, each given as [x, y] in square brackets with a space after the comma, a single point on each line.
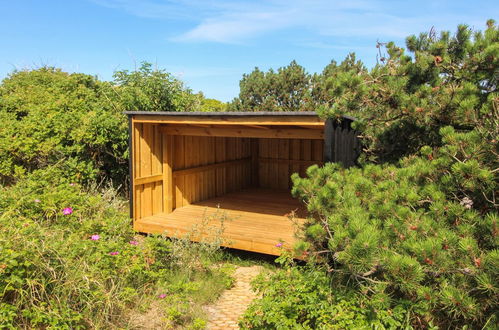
[229, 114]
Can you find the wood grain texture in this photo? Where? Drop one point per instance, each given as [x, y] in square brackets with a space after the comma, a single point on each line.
[253, 220]
[245, 132]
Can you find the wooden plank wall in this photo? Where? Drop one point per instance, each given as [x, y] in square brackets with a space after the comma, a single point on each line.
[147, 170]
[201, 167]
[279, 158]
[191, 152]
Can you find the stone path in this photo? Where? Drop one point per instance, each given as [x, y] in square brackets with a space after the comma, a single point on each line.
[225, 313]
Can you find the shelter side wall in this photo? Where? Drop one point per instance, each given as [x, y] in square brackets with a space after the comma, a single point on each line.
[279, 158]
[147, 170]
[205, 166]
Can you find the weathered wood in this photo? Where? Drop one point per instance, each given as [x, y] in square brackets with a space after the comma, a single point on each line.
[341, 143]
[245, 132]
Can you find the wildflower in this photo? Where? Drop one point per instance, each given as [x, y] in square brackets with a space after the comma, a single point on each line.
[134, 243]
[114, 253]
[71, 184]
[280, 244]
[95, 237]
[467, 202]
[162, 296]
[37, 200]
[67, 211]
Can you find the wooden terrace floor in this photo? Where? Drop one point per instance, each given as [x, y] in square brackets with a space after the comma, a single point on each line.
[252, 220]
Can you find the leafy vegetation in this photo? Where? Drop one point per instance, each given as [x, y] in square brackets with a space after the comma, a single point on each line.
[69, 258]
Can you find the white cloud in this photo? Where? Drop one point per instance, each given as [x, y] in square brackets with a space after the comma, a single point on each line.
[226, 21]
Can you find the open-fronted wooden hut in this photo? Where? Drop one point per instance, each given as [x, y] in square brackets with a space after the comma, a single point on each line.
[184, 166]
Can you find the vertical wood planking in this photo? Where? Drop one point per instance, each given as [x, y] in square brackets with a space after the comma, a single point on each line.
[220, 172]
[229, 153]
[146, 168]
[179, 163]
[168, 193]
[136, 170]
[318, 150]
[156, 168]
[211, 160]
[283, 169]
[274, 167]
[263, 166]
[294, 154]
[188, 152]
[255, 181]
[306, 154]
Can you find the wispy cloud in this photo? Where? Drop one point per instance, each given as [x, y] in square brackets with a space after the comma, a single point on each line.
[226, 21]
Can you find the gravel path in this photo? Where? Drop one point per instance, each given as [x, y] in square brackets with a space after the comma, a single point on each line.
[225, 313]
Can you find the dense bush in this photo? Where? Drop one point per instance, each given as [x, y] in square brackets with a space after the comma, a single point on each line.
[446, 80]
[302, 298]
[424, 229]
[70, 259]
[52, 117]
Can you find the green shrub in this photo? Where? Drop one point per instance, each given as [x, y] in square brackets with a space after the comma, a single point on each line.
[303, 298]
[74, 120]
[421, 230]
[54, 271]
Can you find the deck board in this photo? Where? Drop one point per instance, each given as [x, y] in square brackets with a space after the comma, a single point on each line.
[257, 219]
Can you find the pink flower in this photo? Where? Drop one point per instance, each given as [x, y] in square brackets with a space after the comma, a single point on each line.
[37, 200]
[134, 243]
[279, 244]
[95, 237]
[71, 184]
[67, 211]
[162, 296]
[114, 253]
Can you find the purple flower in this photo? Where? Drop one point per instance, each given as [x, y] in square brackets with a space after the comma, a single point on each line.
[95, 237]
[134, 243]
[162, 296]
[114, 253]
[279, 244]
[67, 211]
[37, 200]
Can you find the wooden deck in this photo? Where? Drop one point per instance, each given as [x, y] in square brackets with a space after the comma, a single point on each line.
[253, 220]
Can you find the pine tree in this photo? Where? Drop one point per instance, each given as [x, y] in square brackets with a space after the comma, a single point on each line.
[421, 230]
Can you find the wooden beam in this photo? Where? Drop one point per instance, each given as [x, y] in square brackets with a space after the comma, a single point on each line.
[203, 168]
[291, 161]
[236, 120]
[147, 179]
[246, 132]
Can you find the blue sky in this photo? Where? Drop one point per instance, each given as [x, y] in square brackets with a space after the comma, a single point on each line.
[209, 44]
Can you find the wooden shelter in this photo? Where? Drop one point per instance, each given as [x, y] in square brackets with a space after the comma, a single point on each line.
[196, 172]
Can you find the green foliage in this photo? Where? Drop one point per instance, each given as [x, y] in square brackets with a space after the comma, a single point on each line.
[53, 274]
[76, 121]
[288, 89]
[211, 105]
[302, 298]
[404, 100]
[148, 89]
[49, 117]
[423, 231]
